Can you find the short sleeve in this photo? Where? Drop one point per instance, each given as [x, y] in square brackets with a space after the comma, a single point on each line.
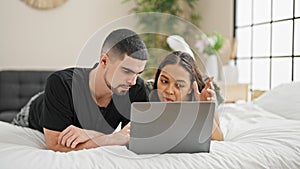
[57, 110]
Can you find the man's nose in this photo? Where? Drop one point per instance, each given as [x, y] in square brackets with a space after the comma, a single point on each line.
[132, 80]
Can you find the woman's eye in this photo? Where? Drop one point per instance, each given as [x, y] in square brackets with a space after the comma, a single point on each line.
[164, 81]
[180, 86]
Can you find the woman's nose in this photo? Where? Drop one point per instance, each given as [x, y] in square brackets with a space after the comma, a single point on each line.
[169, 90]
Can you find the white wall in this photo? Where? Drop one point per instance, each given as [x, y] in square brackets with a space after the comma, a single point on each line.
[217, 15]
[52, 39]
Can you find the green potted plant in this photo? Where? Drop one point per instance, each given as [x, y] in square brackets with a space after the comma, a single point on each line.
[183, 9]
[209, 44]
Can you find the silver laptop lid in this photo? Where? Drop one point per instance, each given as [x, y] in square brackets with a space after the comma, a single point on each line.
[171, 127]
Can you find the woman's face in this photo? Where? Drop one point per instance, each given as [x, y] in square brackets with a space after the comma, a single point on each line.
[174, 84]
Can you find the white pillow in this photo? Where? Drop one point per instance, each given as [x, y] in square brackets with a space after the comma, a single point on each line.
[283, 100]
[177, 43]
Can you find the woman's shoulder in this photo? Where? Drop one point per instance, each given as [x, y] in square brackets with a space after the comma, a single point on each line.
[149, 85]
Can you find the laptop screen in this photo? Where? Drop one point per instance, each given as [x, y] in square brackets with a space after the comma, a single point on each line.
[166, 127]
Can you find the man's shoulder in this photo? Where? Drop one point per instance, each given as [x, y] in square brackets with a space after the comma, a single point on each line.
[139, 81]
[138, 85]
[61, 79]
[68, 73]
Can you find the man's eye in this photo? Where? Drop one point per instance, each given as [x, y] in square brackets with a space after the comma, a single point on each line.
[126, 71]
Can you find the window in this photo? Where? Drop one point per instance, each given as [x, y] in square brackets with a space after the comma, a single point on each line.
[268, 34]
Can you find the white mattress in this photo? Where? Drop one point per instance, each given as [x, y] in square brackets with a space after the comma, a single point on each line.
[254, 138]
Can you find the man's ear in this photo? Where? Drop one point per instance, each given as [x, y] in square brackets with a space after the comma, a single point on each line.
[104, 59]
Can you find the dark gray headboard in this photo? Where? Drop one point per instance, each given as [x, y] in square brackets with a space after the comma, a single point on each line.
[16, 88]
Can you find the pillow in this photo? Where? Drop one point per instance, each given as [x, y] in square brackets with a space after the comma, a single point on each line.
[283, 100]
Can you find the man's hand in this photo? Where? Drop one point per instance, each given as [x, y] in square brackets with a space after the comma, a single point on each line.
[121, 137]
[72, 136]
[207, 93]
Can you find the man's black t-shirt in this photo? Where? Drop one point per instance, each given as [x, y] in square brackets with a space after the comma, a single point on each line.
[67, 101]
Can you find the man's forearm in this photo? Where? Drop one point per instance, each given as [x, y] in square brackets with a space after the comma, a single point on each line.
[104, 140]
[95, 139]
[55, 140]
[91, 143]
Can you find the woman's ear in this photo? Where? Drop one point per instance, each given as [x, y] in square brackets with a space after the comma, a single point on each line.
[191, 94]
[191, 90]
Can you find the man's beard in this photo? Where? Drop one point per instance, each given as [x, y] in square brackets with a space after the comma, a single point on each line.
[115, 89]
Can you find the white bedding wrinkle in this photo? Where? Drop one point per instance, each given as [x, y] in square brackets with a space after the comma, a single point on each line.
[254, 138]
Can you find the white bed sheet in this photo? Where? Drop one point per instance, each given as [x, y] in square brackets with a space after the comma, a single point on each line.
[254, 138]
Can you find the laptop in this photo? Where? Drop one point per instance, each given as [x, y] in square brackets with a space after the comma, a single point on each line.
[171, 127]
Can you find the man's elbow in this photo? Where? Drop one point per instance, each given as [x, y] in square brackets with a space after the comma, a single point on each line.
[52, 147]
[58, 148]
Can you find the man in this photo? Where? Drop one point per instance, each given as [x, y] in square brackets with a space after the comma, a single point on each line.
[80, 108]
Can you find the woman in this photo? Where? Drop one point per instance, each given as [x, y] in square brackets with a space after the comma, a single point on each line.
[179, 79]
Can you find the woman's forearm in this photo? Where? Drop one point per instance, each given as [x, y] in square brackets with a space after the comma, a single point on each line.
[217, 133]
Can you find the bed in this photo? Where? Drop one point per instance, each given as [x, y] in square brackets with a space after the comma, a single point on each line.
[262, 134]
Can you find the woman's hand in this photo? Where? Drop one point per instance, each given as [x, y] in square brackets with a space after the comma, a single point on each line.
[207, 93]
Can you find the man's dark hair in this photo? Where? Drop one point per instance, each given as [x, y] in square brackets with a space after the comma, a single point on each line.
[125, 41]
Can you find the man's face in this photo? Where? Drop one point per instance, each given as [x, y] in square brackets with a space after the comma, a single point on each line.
[122, 74]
